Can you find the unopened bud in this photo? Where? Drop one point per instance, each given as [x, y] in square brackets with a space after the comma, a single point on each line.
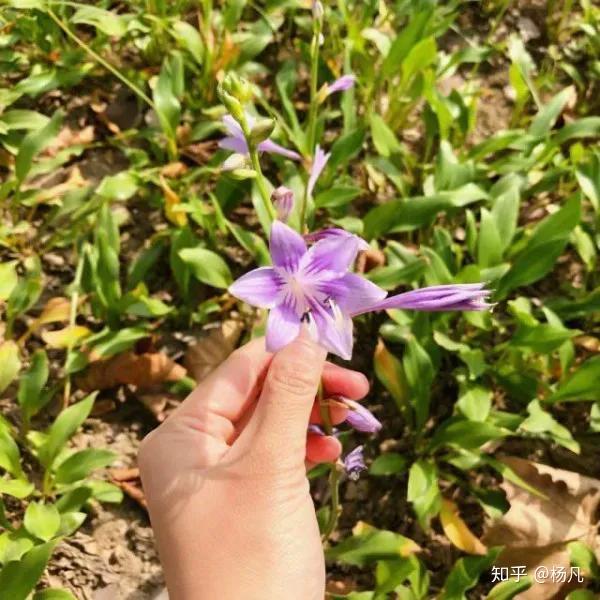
[238, 87]
[261, 130]
[232, 104]
[283, 200]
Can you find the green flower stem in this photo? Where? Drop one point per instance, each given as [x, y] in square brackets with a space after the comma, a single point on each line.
[72, 316]
[260, 182]
[312, 111]
[132, 86]
[334, 475]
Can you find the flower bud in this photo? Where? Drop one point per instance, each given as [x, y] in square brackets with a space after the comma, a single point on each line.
[261, 130]
[283, 200]
[361, 418]
[232, 104]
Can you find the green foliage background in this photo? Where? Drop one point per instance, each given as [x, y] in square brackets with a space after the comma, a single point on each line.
[467, 151]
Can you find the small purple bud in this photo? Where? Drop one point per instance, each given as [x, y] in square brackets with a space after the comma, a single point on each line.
[283, 200]
[354, 463]
[342, 84]
[361, 418]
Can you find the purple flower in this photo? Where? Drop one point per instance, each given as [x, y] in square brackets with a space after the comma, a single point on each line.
[361, 418]
[283, 200]
[354, 463]
[319, 161]
[341, 84]
[236, 141]
[314, 285]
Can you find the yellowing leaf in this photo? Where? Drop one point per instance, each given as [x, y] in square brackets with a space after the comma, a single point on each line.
[56, 310]
[173, 210]
[456, 530]
[10, 363]
[65, 338]
[389, 371]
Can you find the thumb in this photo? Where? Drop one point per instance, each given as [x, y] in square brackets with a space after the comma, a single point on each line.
[283, 409]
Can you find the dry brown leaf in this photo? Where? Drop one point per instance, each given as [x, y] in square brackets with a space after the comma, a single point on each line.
[141, 370]
[73, 181]
[174, 170]
[68, 137]
[160, 404]
[211, 350]
[588, 342]
[535, 531]
[56, 310]
[369, 260]
[125, 474]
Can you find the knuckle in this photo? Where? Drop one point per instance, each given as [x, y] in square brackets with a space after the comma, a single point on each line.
[295, 378]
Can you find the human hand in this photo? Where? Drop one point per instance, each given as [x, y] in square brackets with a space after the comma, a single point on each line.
[225, 476]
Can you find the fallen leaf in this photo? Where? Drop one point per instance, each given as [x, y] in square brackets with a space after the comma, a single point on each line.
[369, 260]
[125, 474]
[141, 370]
[56, 310]
[134, 492]
[160, 404]
[456, 529]
[73, 181]
[65, 338]
[174, 170]
[211, 350]
[535, 531]
[68, 137]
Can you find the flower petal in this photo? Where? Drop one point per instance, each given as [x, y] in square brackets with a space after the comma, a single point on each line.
[361, 418]
[233, 127]
[319, 161]
[234, 144]
[352, 292]
[334, 233]
[258, 287]
[274, 148]
[330, 257]
[343, 83]
[436, 298]
[283, 327]
[333, 330]
[287, 247]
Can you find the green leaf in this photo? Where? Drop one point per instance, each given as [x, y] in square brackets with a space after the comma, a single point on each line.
[33, 143]
[10, 363]
[364, 548]
[337, 196]
[423, 491]
[489, 251]
[464, 434]
[465, 574]
[346, 147]
[65, 425]
[108, 343]
[8, 279]
[506, 590]
[106, 21]
[541, 422]
[121, 186]
[207, 266]
[18, 579]
[13, 545]
[583, 384]
[81, 464]
[42, 520]
[581, 556]
[390, 463]
[189, 38]
[411, 213]
[18, 488]
[543, 122]
[10, 457]
[588, 176]
[70, 522]
[419, 376]
[30, 396]
[545, 245]
[385, 141]
[475, 402]
[168, 89]
[53, 594]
